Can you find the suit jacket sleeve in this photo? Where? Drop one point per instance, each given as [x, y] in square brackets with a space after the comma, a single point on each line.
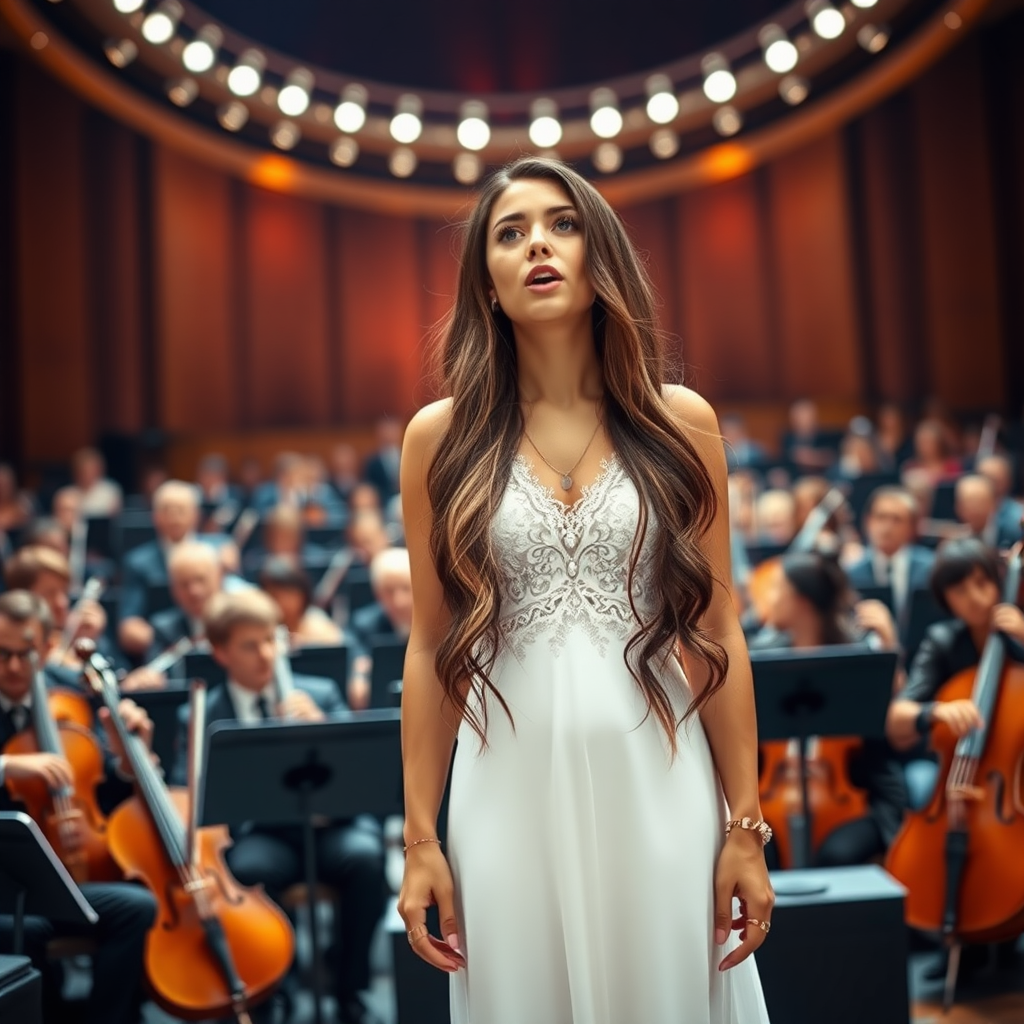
[133, 591]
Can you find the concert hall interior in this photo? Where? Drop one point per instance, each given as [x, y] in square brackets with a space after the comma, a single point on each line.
[229, 238]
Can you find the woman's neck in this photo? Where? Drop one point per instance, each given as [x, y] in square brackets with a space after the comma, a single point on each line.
[558, 363]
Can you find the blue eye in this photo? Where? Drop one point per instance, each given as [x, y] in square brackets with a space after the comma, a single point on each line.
[566, 223]
[506, 234]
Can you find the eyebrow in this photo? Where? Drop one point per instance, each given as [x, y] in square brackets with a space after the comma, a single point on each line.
[551, 211]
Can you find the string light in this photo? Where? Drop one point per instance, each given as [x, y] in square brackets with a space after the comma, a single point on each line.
[120, 52]
[826, 20]
[350, 113]
[719, 81]
[407, 124]
[344, 151]
[873, 38]
[245, 77]
[662, 105]
[605, 117]
[293, 99]
[201, 53]
[545, 128]
[473, 132]
[779, 52]
[402, 162]
[162, 22]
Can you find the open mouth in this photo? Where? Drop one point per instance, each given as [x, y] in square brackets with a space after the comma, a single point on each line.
[542, 276]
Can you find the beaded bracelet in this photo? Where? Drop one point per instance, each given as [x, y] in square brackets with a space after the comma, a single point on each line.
[416, 842]
[761, 827]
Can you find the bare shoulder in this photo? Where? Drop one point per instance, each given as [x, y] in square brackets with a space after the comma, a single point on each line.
[693, 413]
[427, 427]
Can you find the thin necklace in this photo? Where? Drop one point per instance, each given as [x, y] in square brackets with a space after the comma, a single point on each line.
[567, 475]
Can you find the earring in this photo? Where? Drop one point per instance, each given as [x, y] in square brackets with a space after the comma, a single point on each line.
[494, 304]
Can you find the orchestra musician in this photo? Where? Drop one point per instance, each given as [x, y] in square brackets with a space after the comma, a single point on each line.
[812, 605]
[285, 580]
[241, 629]
[126, 911]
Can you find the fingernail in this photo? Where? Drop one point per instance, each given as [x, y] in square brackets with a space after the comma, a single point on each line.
[719, 935]
[453, 941]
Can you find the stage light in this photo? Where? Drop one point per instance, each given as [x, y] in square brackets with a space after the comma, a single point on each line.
[182, 91]
[794, 89]
[201, 53]
[473, 132]
[120, 52]
[350, 113]
[664, 143]
[662, 105]
[864, 4]
[162, 22]
[402, 162]
[128, 6]
[727, 121]
[779, 52]
[605, 117]
[607, 158]
[719, 82]
[467, 168]
[873, 38]
[285, 134]
[545, 128]
[233, 116]
[952, 21]
[293, 99]
[344, 151]
[407, 124]
[245, 77]
[826, 20]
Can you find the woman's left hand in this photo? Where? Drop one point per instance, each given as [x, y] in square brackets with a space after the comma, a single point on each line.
[742, 873]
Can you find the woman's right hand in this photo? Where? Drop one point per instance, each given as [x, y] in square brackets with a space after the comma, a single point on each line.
[428, 880]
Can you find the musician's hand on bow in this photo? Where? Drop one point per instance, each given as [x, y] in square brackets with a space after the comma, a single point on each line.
[92, 620]
[143, 678]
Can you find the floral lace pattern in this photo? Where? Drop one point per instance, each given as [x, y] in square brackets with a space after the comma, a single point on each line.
[566, 567]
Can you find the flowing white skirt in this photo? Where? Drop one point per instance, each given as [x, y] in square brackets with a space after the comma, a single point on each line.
[584, 855]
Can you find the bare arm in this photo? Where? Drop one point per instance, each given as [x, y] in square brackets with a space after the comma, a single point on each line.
[428, 722]
[428, 726]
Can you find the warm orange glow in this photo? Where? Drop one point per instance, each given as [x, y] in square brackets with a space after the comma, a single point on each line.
[726, 161]
[273, 172]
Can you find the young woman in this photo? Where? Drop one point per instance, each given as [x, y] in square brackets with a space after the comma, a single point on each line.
[567, 527]
[812, 605]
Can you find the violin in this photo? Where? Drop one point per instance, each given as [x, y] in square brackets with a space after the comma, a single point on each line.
[764, 577]
[960, 857]
[69, 817]
[216, 947]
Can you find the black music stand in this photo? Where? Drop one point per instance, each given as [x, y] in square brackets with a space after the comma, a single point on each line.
[286, 773]
[328, 660]
[388, 656]
[162, 707]
[820, 691]
[203, 665]
[33, 880]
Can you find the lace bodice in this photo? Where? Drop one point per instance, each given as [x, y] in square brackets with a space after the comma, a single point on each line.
[566, 567]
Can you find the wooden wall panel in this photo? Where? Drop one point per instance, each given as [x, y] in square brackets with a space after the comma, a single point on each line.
[378, 290]
[651, 228]
[199, 376]
[818, 330]
[962, 313]
[116, 276]
[53, 306]
[893, 252]
[286, 303]
[438, 254]
[725, 313]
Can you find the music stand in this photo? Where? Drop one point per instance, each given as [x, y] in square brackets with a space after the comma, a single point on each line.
[285, 773]
[388, 654]
[203, 665]
[33, 880]
[162, 708]
[327, 660]
[820, 691]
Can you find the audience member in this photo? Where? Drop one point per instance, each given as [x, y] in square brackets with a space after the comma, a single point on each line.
[977, 507]
[382, 467]
[344, 471]
[933, 457]
[998, 469]
[893, 442]
[775, 517]
[805, 444]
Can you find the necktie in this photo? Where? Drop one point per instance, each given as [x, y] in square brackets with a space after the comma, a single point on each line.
[19, 717]
[262, 708]
[885, 572]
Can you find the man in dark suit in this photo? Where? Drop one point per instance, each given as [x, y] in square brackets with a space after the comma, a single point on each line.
[349, 855]
[999, 471]
[296, 483]
[978, 507]
[389, 615]
[382, 467]
[892, 559]
[126, 912]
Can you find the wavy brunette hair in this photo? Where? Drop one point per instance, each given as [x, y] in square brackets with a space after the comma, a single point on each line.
[474, 458]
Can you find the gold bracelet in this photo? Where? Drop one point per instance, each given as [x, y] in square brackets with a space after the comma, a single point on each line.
[761, 827]
[416, 842]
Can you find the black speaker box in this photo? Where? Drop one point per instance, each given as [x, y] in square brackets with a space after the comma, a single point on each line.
[837, 951]
[21, 991]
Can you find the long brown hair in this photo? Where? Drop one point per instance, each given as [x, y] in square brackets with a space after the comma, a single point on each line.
[469, 473]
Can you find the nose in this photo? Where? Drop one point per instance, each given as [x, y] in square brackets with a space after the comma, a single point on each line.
[538, 242]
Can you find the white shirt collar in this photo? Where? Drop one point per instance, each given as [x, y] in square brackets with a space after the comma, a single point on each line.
[244, 701]
[6, 703]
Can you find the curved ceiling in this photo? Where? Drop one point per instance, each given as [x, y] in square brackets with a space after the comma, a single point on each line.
[491, 47]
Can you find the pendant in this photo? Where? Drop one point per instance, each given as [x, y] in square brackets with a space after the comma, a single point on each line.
[566, 482]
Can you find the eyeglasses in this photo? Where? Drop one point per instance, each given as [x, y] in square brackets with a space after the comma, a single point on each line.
[6, 654]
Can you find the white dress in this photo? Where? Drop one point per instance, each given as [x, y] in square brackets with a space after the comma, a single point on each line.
[583, 855]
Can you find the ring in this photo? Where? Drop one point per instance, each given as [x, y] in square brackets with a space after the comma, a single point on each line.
[417, 933]
[765, 926]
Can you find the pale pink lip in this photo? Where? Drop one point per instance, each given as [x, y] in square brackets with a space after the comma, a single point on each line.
[546, 270]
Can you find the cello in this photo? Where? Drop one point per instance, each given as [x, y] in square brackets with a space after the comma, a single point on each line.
[69, 817]
[960, 857]
[216, 947]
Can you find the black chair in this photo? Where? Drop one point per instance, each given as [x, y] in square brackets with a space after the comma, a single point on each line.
[99, 536]
[132, 529]
[944, 501]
